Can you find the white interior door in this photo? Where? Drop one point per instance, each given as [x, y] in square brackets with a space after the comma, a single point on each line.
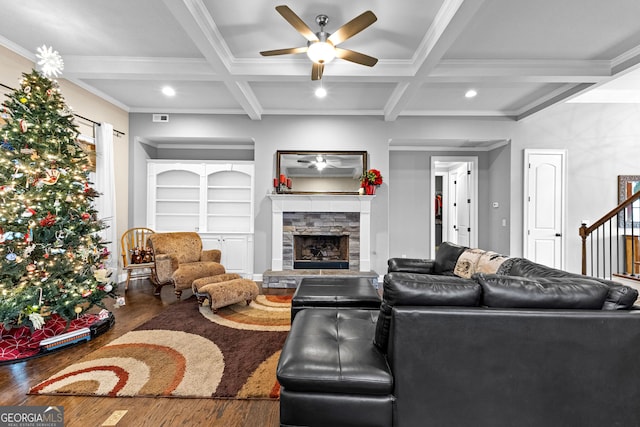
[462, 205]
[544, 206]
[459, 202]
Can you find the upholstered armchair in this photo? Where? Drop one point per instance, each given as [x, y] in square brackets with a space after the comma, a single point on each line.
[179, 260]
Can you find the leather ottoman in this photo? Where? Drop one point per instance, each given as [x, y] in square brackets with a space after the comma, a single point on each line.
[334, 292]
[331, 373]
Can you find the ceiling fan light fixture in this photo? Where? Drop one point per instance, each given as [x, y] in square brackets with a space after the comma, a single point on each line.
[471, 93]
[321, 52]
[321, 92]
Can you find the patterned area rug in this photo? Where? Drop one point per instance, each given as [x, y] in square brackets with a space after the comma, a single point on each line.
[187, 351]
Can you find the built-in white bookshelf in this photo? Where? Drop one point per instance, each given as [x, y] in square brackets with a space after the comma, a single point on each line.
[215, 199]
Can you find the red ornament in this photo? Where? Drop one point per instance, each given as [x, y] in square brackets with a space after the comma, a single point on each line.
[48, 221]
[85, 216]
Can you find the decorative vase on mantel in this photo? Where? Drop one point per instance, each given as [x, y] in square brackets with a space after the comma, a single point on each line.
[369, 189]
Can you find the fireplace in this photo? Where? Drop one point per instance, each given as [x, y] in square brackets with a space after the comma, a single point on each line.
[323, 215]
[320, 251]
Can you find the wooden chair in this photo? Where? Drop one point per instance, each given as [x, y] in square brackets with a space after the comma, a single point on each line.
[135, 239]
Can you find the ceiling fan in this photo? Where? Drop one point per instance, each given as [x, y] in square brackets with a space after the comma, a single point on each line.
[321, 46]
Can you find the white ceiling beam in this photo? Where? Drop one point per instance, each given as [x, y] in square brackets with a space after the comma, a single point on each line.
[526, 71]
[450, 21]
[195, 19]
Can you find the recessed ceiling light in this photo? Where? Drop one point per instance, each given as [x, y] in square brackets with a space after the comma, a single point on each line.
[168, 91]
[321, 92]
[470, 93]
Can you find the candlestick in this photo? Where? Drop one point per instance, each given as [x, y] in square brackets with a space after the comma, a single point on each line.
[283, 178]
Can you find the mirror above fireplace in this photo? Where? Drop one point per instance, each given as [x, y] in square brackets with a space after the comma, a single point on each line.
[317, 172]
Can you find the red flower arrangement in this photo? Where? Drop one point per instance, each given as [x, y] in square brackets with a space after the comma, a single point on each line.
[371, 177]
[370, 180]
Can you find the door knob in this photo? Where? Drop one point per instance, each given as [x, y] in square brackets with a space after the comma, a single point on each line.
[558, 234]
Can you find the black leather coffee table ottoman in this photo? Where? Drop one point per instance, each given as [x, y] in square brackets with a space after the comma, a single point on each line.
[334, 292]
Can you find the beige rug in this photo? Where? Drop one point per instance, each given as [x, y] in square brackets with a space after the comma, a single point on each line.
[187, 351]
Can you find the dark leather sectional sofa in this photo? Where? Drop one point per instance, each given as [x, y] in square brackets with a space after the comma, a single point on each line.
[525, 346]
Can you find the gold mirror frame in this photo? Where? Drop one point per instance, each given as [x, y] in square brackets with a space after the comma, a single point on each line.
[340, 176]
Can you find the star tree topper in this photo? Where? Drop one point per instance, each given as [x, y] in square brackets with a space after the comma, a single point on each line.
[49, 61]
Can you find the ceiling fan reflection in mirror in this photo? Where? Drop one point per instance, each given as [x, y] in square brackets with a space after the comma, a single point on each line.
[322, 46]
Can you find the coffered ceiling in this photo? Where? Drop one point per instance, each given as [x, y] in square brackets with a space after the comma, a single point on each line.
[519, 55]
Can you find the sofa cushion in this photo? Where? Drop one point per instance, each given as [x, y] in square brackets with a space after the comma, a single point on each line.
[619, 297]
[410, 289]
[185, 245]
[473, 261]
[411, 265]
[446, 258]
[331, 351]
[557, 293]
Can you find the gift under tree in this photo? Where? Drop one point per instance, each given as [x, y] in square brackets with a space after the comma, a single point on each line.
[51, 255]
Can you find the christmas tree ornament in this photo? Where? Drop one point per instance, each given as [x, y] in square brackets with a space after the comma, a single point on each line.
[85, 216]
[27, 89]
[49, 61]
[48, 221]
[11, 256]
[36, 320]
[24, 126]
[51, 176]
[78, 309]
[31, 268]
[28, 213]
[7, 145]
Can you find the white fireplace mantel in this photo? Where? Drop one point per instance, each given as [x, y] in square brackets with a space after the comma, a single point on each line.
[281, 203]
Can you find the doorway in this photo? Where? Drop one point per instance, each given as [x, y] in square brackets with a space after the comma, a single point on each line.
[454, 189]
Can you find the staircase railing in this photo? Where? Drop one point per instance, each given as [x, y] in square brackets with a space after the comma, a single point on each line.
[610, 245]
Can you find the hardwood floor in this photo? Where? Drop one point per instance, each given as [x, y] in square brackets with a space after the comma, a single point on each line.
[141, 305]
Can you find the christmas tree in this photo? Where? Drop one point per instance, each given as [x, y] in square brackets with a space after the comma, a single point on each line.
[51, 255]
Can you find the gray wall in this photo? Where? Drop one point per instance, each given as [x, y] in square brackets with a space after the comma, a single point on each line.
[411, 205]
[274, 133]
[602, 143]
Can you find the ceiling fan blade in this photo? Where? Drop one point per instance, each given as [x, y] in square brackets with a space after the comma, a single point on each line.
[297, 23]
[316, 71]
[357, 57]
[291, 50]
[352, 27]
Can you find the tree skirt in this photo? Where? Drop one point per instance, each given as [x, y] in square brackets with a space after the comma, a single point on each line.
[187, 351]
[18, 344]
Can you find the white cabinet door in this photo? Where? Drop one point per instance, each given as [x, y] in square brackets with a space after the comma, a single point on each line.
[237, 251]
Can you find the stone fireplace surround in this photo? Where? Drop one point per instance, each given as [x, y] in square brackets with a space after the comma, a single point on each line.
[299, 227]
[338, 203]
